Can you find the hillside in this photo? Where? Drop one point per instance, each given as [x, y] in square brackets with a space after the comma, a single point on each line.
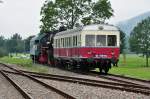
[128, 25]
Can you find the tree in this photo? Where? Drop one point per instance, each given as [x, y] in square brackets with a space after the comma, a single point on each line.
[122, 40]
[70, 13]
[3, 51]
[27, 43]
[49, 15]
[140, 39]
[15, 44]
[2, 41]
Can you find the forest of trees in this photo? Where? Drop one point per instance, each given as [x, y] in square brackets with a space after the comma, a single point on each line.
[140, 39]
[14, 45]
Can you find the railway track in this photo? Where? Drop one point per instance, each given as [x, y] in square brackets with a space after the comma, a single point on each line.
[24, 93]
[122, 79]
[129, 87]
[96, 83]
[129, 78]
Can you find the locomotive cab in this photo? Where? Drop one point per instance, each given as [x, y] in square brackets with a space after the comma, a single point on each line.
[38, 48]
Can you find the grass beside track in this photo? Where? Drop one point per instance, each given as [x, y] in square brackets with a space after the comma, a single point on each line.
[134, 66]
[25, 63]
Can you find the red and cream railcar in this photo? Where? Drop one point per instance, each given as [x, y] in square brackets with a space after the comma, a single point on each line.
[92, 46]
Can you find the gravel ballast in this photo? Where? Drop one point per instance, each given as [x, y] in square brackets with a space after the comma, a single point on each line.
[8, 91]
[36, 90]
[88, 92]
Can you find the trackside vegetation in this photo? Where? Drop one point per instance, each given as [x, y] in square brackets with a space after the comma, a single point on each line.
[134, 66]
[25, 64]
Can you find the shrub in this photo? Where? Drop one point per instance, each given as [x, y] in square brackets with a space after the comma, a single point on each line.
[3, 52]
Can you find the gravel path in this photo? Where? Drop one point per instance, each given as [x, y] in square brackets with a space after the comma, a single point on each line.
[7, 91]
[36, 90]
[87, 92]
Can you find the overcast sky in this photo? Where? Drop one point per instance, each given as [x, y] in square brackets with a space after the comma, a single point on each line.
[23, 16]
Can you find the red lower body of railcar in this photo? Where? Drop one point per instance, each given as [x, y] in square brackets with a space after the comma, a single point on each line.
[87, 57]
[88, 52]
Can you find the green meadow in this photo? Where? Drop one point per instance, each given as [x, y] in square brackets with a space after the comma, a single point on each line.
[25, 63]
[133, 66]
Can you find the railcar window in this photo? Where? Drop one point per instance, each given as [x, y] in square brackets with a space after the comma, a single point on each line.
[112, 40]
[61, 44]
[65, 42]
[70, 45]
[58, 43]
[90, 40]
[74, 41]
[55, 44]
[79, 40]
[101, 40]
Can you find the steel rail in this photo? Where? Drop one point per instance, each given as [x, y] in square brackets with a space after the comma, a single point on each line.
[123, 87]
[106, 85]
[111, 78]
[24, 94]
[65, 95]
[83, 79]
[130, 78]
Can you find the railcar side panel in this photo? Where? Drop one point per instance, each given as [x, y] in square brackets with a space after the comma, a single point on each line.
[87, 52]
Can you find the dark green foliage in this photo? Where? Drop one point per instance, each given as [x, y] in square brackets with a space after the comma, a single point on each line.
[48, 13]
[13, 45]
[101, 11]
[27, 44]
[3, 52]
[72, 13]
[140, 38]
[122, 40]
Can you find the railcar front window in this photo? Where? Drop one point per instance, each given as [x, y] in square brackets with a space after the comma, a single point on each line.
[101, 40]
[112, 40]
[90, 40]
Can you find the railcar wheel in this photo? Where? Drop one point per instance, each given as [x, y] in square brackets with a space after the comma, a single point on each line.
[100, 70]
[106, 70]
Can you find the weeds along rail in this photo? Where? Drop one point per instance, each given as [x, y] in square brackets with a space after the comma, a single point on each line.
[65, 95]
[95, 83]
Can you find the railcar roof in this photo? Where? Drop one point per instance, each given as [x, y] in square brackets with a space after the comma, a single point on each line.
[103, 27]
[93, 27]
